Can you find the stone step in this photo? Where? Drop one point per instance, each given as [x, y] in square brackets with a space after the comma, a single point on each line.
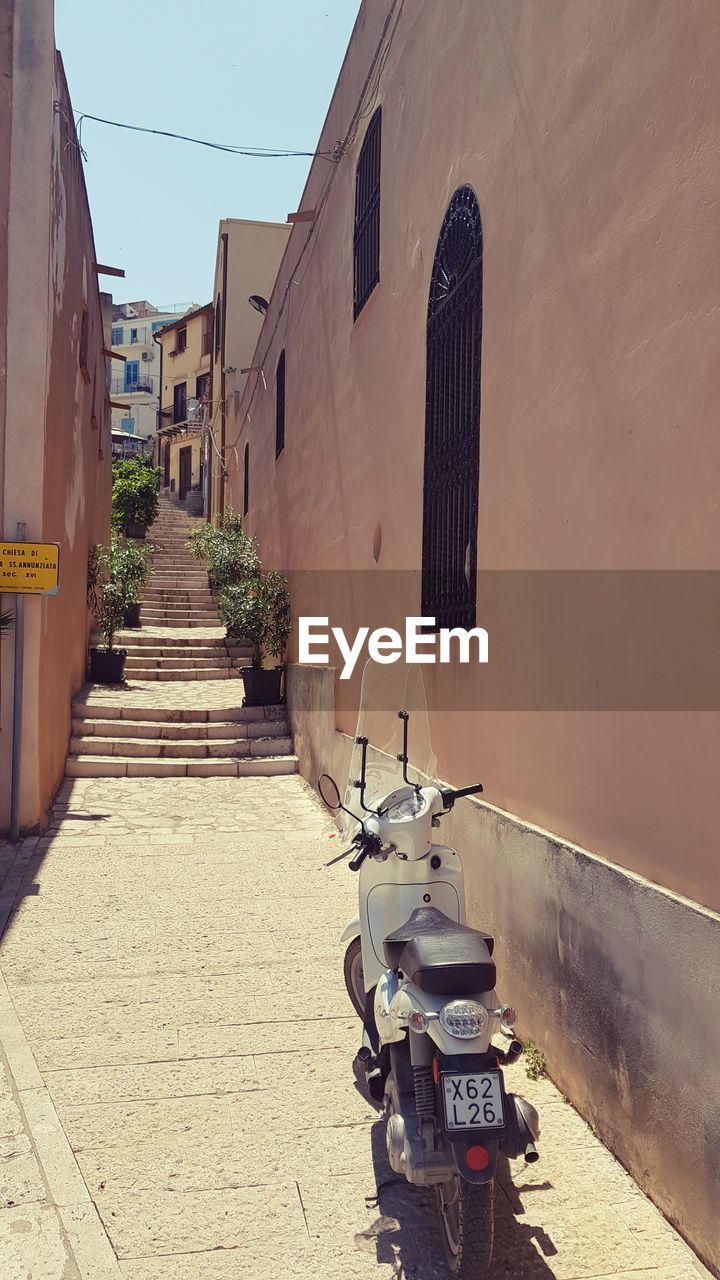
[160, 731]
[145, 661]
[171, 581]
[151, 652]
[177, 715]
[178, 622]
[128, 639]
[173, 617]
[162, 595]
[94, 766]
[161, 749]
[185, 673]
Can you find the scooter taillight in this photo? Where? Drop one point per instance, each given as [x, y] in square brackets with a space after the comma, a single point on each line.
[477, 1158]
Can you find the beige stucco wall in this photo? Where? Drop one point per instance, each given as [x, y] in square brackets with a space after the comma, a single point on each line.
[590, 134]
[55, 471]
[185, 366]
[184, 442]
[253, 257]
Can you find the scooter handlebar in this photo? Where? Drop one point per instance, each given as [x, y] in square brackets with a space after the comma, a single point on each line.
[358, 860]
[449, 797]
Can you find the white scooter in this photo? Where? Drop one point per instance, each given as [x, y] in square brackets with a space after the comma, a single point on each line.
[435, 1034]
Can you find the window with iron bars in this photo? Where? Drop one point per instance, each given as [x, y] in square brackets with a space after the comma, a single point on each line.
[366, 240]
[280, 405]
[452, 418]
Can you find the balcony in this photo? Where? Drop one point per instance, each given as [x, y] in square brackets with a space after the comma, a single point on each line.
[183, 417]
[140, 335]
[144, 384]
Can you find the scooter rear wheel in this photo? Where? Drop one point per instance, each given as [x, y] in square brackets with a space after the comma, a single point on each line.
[353, 971]
[467, 1223]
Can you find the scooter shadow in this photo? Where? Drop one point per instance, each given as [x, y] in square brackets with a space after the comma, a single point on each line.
[406, 1233]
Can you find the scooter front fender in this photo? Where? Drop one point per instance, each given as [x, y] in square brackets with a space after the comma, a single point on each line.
[352, 930]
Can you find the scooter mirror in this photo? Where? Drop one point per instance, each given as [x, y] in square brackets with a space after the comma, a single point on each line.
[329, 792]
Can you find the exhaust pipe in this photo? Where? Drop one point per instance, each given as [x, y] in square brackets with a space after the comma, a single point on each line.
[512, 1053]
[532, 1155]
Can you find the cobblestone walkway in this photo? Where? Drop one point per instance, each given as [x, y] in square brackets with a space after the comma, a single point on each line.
[176, 1097]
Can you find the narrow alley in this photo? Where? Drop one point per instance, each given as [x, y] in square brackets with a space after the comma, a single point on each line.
[180, 710]
[178, 1093]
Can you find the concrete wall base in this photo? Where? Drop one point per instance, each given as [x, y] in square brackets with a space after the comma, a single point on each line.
[615, 979]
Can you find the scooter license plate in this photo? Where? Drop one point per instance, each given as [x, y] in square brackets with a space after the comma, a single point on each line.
[473, 1101]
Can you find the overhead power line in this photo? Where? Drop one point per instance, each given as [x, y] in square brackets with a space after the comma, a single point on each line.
[259, 153]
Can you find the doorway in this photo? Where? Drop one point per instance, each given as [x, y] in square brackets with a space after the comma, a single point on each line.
[185, 471]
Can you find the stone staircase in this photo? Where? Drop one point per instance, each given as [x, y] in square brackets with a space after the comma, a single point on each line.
[180, 712]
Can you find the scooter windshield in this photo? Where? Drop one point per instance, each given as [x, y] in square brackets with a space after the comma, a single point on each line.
[386, 690]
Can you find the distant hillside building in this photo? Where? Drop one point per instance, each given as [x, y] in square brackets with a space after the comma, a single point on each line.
[136, 383]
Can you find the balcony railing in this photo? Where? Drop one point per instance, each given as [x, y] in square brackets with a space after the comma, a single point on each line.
[145, 383]
[191, 414]
[140, 335]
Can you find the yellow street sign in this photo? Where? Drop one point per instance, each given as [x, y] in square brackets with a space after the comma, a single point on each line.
[29, 568]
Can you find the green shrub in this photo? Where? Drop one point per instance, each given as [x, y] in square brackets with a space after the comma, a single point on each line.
[135, 496]
[257, 610]
[230, 555]
[116, 575]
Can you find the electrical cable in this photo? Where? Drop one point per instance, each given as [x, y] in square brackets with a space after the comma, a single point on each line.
[258, 153]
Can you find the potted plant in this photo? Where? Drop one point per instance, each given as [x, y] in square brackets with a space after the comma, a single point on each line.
[257, 610]
[136, 484]
[132, 563]
[231, 556]
[107, 599]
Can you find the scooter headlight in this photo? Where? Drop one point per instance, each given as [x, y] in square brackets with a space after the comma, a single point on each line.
[465, 1019]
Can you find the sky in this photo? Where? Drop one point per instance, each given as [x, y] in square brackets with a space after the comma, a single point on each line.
[257, 74]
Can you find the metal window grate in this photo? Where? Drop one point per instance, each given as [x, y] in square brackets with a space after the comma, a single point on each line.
[452, 417]
[366, 241]
[280, 405]
[246, 480]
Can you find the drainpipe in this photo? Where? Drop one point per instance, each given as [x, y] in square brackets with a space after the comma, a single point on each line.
[158, 421]
[223, 407]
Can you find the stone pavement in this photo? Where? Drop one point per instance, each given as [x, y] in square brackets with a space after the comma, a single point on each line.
[176, 1096]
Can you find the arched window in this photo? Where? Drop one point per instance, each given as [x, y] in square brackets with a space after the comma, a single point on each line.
[452, 417]
[246, 480]
[280, 405]
[366, 239]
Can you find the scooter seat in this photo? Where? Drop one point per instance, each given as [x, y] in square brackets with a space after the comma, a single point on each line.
[441, 956]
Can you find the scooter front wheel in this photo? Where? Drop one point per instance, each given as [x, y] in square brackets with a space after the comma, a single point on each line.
[467, 1222]
[353, 970]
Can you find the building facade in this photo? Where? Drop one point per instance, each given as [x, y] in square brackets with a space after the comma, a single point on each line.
[135, 382]
[246, 266]
[186, 399]
[491, 350]
[54, 398]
